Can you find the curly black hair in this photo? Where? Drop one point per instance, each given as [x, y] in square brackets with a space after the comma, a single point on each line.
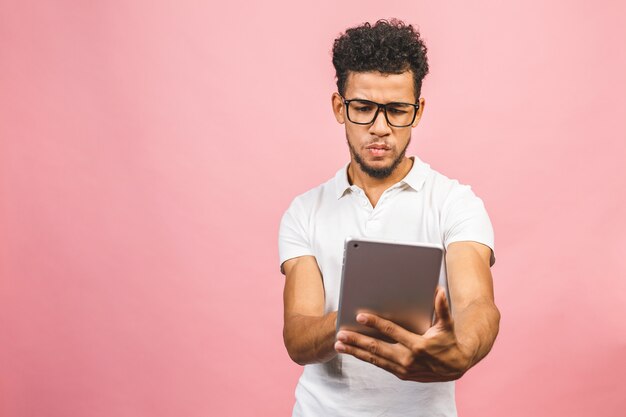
[389, 47]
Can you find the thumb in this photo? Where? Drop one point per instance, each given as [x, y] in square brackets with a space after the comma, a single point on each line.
[442, 308]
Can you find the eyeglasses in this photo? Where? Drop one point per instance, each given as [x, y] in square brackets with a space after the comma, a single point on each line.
[364, 112]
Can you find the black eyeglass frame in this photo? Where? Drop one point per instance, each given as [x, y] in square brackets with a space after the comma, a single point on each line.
[379, 106]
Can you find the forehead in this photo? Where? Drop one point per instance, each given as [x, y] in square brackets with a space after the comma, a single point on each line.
[379, 87]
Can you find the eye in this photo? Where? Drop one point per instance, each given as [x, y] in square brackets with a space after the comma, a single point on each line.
[398, 108]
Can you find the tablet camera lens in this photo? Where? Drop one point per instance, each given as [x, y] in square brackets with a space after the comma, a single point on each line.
[356, 245]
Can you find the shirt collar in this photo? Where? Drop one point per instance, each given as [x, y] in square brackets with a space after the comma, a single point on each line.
[341, 181]
[417, 175]
[414, 179]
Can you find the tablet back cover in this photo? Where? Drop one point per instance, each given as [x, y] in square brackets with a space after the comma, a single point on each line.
[396, 281]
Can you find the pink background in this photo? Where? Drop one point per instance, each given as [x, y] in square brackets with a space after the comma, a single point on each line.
[148, 150]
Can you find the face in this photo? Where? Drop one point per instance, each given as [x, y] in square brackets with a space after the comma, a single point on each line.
[377, 148]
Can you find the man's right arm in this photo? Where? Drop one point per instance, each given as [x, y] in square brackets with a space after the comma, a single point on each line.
[308, 333]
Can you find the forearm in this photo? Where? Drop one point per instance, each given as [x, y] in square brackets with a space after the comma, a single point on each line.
[310, 339]
[476, 327]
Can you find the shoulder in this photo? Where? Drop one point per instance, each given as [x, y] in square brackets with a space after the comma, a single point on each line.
[443, 189]
[298, 221]
[313, 198]
[309, 199]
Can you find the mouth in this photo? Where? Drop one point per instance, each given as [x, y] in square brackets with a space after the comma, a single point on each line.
[378, 149]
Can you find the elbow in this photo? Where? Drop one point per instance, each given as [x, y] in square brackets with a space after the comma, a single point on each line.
[498, 316]
[495, 323]
[294, 354]
[302, 355]
[297, 359]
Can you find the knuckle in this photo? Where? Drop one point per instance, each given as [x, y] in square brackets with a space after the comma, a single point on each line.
[407, 361]
[388, 329]
[373, 347]
[417, 349]
[372, 359]
[402, 374]
[450, 324]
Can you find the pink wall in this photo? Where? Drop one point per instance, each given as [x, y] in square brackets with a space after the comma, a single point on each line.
[148, 150]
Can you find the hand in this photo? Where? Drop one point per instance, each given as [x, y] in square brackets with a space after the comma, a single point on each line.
[434, 356]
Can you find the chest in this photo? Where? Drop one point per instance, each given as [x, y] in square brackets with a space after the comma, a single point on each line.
[403, 216]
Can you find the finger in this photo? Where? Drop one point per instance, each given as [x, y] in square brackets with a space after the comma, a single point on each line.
[393, 352]
[388, 328]
[442, 308]
[417, 372]
[367, 356]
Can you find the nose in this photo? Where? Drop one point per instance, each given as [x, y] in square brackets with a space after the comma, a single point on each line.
[379, 126]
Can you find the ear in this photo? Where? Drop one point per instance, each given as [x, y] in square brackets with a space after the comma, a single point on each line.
[420, 111]
[338, 108]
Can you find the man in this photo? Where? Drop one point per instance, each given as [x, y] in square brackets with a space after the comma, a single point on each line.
[382, 193]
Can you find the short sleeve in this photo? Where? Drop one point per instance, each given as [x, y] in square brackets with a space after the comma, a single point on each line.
[293, 237]
[465, 218]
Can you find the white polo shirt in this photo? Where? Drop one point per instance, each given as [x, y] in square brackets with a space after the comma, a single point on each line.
[425, 206]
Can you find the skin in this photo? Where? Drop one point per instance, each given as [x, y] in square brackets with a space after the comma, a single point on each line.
[460, 337]
[380, 88]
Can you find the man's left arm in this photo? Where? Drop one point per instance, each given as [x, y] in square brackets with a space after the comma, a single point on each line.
[458, 339]
[476, 317]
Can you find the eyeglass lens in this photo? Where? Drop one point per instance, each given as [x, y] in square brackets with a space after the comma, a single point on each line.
[398, 114]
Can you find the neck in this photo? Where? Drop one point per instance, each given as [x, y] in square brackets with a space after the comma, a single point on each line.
[359, 178]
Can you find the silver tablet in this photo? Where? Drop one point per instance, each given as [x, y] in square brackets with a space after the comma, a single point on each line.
[395, 280]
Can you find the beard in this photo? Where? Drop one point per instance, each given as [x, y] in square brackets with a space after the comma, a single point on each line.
[378, 173]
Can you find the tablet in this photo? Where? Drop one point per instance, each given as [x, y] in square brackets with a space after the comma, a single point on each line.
[395, 280]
